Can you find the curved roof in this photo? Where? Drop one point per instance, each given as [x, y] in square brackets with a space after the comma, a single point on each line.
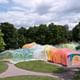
[30, 45]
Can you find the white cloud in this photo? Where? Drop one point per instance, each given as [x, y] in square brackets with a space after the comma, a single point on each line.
[19, 18]
[3, 1]
[27, 3]
[32, 12]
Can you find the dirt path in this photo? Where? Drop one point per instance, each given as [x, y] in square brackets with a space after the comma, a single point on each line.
[14, 71]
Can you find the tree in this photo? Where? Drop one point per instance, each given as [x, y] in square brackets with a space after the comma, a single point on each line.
[22, 31]
[41, 34]
[21, 38]
[57, 34]
[32, 34]
[70, 39]
[76, 33]
[10, 34]
[2, 43]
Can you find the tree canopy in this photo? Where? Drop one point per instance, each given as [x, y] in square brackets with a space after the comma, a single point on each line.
[42, 34]
[2, 43]
[76, 32]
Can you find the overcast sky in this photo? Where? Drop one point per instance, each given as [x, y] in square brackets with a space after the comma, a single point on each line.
[34, 12]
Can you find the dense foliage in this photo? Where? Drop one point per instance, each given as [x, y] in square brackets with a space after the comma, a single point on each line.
[76, 33]
[42, 34]
[9, 32]
[2, 44]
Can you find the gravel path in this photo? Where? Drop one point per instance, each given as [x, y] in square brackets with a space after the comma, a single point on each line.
[14, 71]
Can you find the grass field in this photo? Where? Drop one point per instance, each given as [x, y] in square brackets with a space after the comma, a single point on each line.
[29, 78]
[40, 66]
[3, 66]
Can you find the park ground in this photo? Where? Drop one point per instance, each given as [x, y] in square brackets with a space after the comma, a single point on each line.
[35, 70]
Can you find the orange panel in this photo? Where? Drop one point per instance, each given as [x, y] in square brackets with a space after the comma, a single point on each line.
[59, 56]
[30, 45]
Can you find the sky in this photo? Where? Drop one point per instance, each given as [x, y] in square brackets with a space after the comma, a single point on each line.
[35, 12]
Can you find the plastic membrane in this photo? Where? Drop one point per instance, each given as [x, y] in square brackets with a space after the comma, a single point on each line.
[64, 56]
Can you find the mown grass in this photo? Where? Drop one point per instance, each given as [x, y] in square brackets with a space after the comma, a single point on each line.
[3, 66]
[40, 66]
[29, 78]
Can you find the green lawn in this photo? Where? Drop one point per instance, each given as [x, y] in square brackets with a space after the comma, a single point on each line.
[29, 78]
[3, 66]
[40, 66]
